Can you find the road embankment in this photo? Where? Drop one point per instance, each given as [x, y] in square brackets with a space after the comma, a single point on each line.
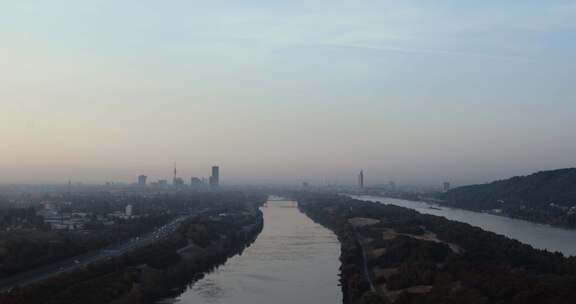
[163, 268]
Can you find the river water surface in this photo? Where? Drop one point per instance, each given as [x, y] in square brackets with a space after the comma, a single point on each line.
[293, 260]
[538, 235]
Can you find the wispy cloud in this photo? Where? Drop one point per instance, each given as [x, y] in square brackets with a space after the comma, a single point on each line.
[440, 52]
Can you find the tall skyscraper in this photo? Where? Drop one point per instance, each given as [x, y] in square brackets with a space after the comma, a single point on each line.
[142, 180]
[215, 178]
[361, 179]
[446, 187]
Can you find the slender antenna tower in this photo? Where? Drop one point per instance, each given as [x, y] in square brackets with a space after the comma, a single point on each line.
[175, 173]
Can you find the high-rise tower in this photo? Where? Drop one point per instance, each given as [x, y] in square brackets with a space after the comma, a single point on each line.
[215, 178]
[361, 179]
[142, 180]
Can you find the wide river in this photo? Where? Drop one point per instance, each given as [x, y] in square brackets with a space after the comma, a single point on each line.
[538, 235]
[293, 260]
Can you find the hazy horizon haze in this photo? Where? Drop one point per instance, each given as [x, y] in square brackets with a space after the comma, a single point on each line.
[415, 92]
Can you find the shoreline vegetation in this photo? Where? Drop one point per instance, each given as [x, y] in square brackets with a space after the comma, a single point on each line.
[435, 204]
[391, 254]
[161, 270]
[546, 197]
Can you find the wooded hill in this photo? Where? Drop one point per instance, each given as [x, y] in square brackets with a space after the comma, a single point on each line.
[546, 196]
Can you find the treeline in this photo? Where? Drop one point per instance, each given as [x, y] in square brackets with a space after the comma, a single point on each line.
[162, 269]
[145, 203]
[409, 268]
[20, 218]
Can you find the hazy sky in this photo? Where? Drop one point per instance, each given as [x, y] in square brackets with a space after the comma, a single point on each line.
[414, 91]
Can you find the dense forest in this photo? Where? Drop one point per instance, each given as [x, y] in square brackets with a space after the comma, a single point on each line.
[547, 197]
[392, 254]
[21, 218]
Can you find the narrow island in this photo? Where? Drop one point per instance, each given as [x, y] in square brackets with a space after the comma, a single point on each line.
[392, 254]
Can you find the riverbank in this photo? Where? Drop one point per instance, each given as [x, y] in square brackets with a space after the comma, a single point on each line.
[396, 255]
[540, 236]
[542, 216]
[160, 269]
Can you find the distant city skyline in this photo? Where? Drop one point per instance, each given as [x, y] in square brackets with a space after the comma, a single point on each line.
[416, 92]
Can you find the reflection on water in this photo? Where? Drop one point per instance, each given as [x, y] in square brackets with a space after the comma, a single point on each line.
[293, 261]
[538, 235]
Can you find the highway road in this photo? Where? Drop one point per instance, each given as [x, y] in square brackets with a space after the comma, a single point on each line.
[83, 260]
